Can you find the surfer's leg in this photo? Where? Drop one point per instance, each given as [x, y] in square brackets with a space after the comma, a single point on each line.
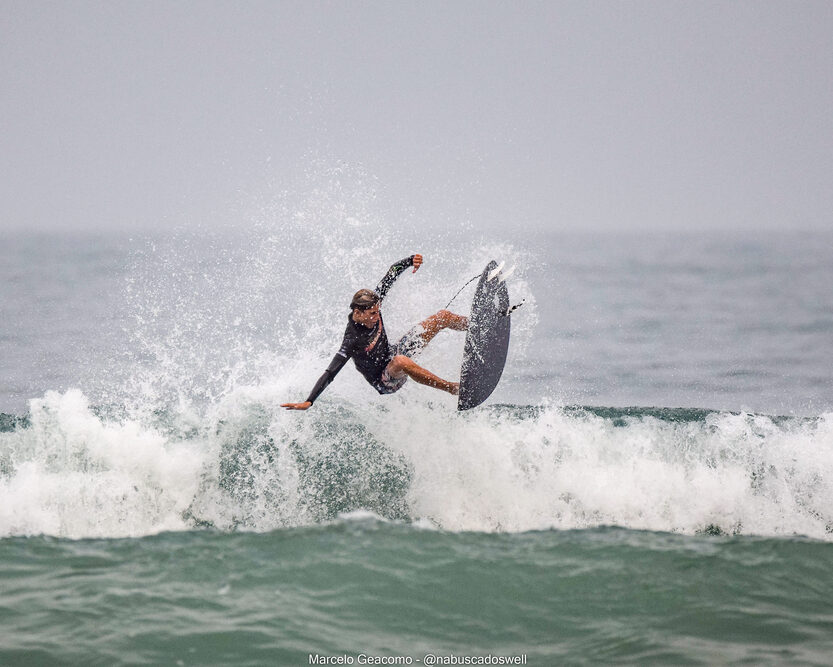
[443, 319]
[401, 364]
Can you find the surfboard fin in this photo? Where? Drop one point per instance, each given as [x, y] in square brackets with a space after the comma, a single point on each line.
[505, 274]
[512, 309]
[495, 271]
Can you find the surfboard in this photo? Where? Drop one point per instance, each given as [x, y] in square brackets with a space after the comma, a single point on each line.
[487, 340]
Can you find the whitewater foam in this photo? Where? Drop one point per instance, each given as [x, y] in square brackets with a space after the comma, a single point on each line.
[74, 475]
[253, 466]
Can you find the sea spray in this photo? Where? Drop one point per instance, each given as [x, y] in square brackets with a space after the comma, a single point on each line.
[210, 313]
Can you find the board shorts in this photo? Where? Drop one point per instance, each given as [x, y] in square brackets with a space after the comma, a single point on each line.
[410, 345]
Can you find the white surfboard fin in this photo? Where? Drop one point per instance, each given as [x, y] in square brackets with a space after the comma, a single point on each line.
[495, 271]
[505, 274]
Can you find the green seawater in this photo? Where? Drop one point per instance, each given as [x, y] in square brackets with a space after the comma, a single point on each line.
[364, 587]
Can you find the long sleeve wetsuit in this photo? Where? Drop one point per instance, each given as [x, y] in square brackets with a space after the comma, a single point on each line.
[369, 348]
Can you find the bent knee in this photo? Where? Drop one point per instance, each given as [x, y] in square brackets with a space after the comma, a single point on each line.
[399, 362]
[398, 366]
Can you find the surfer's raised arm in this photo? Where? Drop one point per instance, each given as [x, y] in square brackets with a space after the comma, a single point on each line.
[394, 271]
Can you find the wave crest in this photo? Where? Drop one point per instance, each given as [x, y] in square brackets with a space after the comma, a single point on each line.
[69, 470]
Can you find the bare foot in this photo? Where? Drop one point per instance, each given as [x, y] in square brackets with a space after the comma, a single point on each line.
[454, 388]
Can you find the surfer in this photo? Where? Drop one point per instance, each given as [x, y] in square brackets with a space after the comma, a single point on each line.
[386, 367]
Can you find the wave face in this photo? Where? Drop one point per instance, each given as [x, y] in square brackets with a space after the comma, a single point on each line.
[72, 470]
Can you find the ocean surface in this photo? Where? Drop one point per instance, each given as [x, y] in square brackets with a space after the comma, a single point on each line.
[651, 483]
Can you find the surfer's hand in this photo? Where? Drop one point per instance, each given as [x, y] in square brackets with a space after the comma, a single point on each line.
[296, 406]
[417, 262]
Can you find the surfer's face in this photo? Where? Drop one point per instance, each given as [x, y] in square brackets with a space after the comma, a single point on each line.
[367, 318]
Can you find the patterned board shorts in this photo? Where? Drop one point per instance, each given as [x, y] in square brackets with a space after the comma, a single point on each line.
[410, 345]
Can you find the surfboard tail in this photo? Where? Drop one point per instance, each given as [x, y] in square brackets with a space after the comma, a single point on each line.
[493, 273]
[499, 273]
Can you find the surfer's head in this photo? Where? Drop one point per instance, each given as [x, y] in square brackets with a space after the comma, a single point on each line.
[365, 306]
[364, 299]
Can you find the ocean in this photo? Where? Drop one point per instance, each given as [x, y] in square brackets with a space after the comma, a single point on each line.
[651, 483]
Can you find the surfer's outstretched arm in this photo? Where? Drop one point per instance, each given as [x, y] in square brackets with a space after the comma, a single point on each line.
[394, 271]
[332, 370]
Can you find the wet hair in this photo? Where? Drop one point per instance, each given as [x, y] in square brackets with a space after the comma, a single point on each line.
[364, 299]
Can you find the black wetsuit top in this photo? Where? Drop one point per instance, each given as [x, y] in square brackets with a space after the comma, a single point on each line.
[369, 348]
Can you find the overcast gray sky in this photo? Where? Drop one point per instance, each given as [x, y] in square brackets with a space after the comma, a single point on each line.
[564, 115]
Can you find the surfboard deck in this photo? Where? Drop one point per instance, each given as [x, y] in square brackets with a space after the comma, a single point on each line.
[487, 341]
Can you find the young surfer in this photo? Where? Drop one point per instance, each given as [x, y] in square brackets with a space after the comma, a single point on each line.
[386, 367]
